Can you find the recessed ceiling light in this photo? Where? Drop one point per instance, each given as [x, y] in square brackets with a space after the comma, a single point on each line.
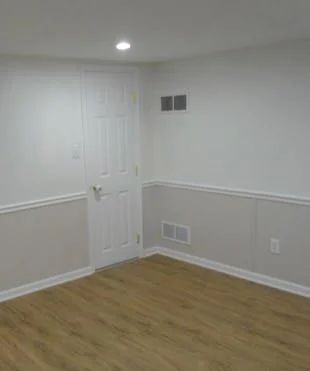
[123, 45]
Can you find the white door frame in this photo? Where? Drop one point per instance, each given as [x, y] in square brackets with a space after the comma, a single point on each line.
[137, 153]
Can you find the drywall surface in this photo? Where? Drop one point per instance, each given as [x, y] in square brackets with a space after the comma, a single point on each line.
[247, 126]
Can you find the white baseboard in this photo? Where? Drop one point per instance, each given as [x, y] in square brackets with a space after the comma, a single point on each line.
[174, 254]
[232, 271]
[43, 284]
[150, 252]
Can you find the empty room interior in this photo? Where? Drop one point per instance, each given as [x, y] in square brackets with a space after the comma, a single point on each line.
[154, 185]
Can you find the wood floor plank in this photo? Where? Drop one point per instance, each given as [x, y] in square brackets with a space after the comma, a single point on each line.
[156, 314]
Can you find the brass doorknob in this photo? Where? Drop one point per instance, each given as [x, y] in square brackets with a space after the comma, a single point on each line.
[96, 187]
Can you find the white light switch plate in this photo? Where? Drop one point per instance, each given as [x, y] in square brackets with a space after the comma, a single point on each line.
[274, 246]
[76, 151]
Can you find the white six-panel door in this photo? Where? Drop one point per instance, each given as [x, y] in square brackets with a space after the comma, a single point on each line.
[111, 166]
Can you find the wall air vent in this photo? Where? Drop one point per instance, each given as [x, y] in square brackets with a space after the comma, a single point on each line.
[176, 232]
[167, 104]
[174, 103]
[180, 102]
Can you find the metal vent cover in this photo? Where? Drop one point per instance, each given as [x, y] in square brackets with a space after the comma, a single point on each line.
[174, 103]
[176, 232]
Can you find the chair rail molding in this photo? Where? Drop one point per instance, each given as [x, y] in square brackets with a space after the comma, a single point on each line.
[237, 192]
[5, 209]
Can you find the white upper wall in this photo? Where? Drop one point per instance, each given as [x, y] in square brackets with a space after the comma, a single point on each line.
[248, 124]
[40, 121]
[146, 127]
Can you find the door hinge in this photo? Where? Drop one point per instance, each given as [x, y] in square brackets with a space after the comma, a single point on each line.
[138, 237]
[137, 170]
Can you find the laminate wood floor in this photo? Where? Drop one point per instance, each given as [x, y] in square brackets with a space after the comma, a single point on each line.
[156, 314]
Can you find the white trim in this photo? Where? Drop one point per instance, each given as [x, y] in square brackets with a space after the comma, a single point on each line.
[42, 202]
[150, 251]
[138, 155]
[88, 179]
[232, 271]
[44, 284]
[149, 184]
[258, 195]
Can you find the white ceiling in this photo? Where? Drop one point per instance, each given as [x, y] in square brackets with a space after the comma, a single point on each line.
[159, 29]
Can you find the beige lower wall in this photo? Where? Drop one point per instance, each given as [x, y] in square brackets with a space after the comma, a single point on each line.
[233, 230]
[39, 243]
[150, 217]
[290, 224]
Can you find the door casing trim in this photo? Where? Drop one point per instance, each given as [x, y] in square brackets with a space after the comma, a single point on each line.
[137, 123]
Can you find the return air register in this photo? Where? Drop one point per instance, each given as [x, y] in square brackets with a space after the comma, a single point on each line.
[176, 232]
[174, 103]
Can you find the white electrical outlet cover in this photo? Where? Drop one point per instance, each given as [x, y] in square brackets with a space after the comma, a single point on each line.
[76, 151]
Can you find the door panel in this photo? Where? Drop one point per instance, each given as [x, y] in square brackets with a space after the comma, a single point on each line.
[123, 144]
[104, 149]
[111, 166]
[106, 220]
